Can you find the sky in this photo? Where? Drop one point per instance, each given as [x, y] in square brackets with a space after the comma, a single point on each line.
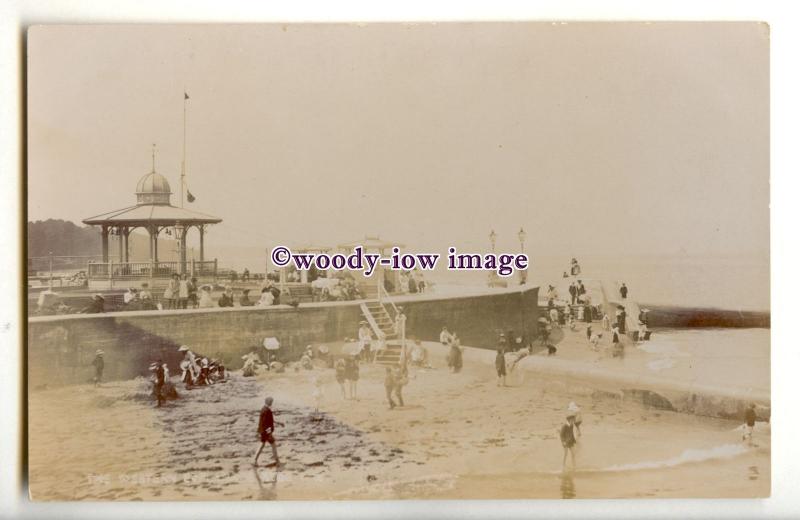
[598, 139]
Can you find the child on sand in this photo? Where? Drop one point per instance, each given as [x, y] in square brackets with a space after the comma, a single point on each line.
[99, 365]
[567, 435]
[500, 366]
[266, 427]
[341, 368]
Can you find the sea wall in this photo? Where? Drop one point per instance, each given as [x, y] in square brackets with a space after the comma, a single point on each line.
[61, 348]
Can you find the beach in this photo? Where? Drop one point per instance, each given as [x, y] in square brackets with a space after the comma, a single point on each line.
[458, 436]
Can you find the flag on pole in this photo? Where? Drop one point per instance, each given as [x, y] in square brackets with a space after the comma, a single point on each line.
[189, 196]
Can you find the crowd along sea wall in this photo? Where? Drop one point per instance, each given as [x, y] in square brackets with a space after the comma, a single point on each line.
[61, 348]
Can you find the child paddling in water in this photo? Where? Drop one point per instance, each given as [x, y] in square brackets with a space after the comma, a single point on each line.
[266, 427]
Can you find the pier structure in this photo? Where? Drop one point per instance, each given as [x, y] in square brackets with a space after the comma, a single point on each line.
[155, 213]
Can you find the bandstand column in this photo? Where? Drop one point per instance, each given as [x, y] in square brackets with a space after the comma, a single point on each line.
[182, 230]
[125, 249]
[104, 234]
[155, 244]
[120, 238]
[202, 250]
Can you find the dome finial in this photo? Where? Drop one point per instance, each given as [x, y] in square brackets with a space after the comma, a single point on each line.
[154, 158]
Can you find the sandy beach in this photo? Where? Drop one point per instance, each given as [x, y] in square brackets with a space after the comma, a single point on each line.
[458, 436]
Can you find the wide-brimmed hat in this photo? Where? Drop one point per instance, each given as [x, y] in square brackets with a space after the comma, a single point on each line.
[573, 408]
[153, 366]
[98, 296]
[183, 348]
[99, 352]
[645, 310]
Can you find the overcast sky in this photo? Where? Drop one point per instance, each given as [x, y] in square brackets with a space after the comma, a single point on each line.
[598, 139]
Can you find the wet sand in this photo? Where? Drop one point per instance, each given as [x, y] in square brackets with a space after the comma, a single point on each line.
[459, 436]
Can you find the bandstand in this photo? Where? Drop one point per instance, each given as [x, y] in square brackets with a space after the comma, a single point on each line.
[153, 212]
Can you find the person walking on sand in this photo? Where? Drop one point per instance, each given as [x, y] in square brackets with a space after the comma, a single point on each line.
[455, 359]
[99, 365]
[266, 428]
[389, 383]
[749, 424]
[573, 293]
[567, 435]
[623, 291]
[351, 375]
[500, 366]
[606, 322]
[341, 377]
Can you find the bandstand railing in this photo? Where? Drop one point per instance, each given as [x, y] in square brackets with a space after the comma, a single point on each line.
[147, 270]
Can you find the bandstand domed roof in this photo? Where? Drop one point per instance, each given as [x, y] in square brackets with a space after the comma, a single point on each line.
[153, 183]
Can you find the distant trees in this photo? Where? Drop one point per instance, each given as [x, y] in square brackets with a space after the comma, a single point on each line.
[63, 238]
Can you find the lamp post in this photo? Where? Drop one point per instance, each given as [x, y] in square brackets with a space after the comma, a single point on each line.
[50, 284]
[523, 275]
[493, 239]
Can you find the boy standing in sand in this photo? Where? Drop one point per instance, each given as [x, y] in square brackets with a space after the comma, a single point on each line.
[99, 365]
[266, 426]
[567, 435]
[500, 366]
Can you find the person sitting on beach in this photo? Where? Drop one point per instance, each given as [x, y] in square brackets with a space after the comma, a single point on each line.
[500, 366]
[266, 429]
[145, 294]
[226, 300]
[305, 362]
[445, 338]
[419, 355]
[595, 340]
[189, 366]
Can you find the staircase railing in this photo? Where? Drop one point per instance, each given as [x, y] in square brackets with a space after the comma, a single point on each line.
[383, 296]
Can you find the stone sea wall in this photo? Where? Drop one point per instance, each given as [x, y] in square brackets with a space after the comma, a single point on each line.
[61, 348]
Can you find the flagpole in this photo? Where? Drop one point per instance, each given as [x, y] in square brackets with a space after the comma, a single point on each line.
[183, 162]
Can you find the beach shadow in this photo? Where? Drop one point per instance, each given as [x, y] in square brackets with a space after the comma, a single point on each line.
[408, 407]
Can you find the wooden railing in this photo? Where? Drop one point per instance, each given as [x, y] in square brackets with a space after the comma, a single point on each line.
[140, 270]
